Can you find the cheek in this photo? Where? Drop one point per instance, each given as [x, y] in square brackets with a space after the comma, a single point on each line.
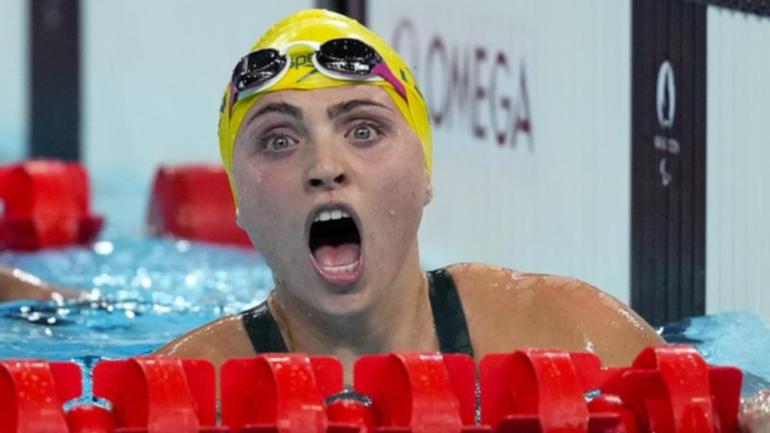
[262, 196]
[411, 206]
[408, 190]
[409, 181]
[401, 197]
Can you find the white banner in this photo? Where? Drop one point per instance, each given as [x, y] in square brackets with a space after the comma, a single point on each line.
[13, 80]
[531, 113]
[153, 77]
[738, 148]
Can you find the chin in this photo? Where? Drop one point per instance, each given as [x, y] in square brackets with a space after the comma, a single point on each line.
[343, 302]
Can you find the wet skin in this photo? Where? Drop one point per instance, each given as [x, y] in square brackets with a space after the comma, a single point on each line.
[301, 150]
[16, 284]
[347, 146]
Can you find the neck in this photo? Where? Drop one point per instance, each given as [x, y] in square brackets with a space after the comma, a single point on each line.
[398, 318]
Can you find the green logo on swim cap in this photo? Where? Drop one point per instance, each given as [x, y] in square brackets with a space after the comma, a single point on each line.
[301, 59]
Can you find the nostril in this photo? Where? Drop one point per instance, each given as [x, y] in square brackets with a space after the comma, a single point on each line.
[327, 181]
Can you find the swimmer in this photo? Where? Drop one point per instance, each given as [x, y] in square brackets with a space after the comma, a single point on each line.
[327, 143]
[16, 284]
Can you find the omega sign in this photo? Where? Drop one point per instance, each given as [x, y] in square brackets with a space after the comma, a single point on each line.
[665, 104]
[469, 86]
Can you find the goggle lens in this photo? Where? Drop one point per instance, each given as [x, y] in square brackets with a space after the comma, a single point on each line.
[343, 56]
[258, 67]
[348, 56]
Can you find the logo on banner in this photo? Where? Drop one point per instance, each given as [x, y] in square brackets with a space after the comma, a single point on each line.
[665, 104]
[469, 86]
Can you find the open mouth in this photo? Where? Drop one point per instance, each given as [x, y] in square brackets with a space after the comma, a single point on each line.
[335, 246]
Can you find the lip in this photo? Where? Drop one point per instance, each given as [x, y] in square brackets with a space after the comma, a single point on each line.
[343, 278]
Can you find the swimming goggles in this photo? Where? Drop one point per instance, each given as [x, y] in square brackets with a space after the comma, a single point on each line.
[344, 59]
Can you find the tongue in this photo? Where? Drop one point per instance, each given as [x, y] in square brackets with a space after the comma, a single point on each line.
[339, 255]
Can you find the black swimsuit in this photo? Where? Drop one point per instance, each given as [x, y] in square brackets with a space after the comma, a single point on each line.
[448, 317]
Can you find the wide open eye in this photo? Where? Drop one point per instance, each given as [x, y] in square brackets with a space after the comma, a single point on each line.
[277, 143]
[364, 132]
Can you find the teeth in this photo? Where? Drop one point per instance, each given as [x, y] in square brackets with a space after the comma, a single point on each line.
[334, 214]
[343, 268]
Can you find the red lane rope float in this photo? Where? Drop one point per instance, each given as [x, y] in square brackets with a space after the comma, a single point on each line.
[32, 394]
[158, 394]
[539, 390]
[46, 204]
[672, 389]
[89, 419]
[419, 392]
[194, 202]
[666, 390]
[280, 392]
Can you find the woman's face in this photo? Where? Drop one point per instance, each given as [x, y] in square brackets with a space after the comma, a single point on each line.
[331, 186]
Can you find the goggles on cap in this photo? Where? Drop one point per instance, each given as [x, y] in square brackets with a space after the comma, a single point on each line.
[343, 59]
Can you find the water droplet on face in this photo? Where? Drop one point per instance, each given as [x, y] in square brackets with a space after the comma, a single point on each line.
[392, 212]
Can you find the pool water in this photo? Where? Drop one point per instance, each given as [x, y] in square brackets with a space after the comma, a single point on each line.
[144, 292]
[738, 338]
[141, 293]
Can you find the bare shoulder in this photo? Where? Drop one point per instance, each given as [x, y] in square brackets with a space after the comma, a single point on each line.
[16, 284]
[216, 341]
[508, 309]
[479, 284]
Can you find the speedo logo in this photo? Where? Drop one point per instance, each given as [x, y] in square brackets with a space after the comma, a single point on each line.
[302, 60]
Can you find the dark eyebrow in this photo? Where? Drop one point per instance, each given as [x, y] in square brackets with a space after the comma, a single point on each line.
[346, 106]
[279, 107]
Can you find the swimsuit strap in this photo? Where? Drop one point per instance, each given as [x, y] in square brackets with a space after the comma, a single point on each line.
[448, 315]
[263, 331]
[448, 319]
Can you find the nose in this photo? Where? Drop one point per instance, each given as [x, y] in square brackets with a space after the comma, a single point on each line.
[327, 170]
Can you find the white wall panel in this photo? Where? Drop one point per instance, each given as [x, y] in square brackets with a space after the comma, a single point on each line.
[13, 80]
[557, 203]
[738, 183]
[153, 76]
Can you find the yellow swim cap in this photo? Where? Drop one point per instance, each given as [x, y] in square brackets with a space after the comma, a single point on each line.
[319, 26]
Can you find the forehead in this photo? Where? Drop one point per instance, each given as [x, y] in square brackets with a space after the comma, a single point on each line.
[321, 99]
